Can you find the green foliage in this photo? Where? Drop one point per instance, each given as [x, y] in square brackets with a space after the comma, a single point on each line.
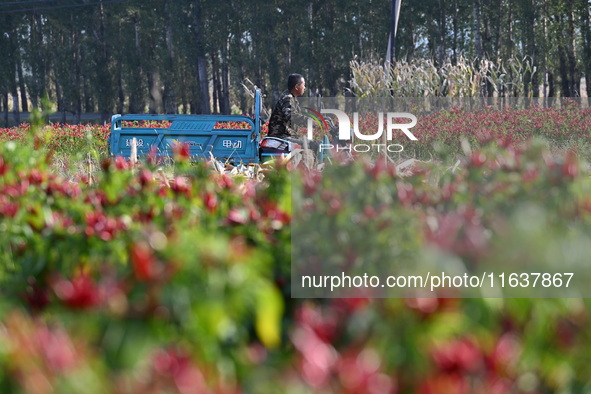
[136, 280]
[141, 56]
[188, 262]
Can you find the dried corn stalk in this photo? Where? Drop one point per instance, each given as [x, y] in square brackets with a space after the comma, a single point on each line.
[421, 77]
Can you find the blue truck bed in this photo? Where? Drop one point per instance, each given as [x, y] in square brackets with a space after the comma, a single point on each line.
[199, 132]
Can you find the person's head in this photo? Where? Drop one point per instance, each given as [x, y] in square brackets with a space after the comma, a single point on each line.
[296, 84]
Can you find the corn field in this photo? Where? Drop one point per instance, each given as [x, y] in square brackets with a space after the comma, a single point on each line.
[423, 77]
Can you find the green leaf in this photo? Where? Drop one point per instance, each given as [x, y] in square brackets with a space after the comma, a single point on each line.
[269, 310]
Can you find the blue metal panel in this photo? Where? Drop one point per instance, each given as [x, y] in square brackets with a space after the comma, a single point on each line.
[235, 145]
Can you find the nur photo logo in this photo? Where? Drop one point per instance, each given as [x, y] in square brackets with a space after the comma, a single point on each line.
[350, 131]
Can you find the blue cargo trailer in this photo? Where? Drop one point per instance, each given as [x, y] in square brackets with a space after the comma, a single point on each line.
[198, 132]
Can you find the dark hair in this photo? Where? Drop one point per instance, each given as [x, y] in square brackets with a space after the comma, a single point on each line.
[293, 80]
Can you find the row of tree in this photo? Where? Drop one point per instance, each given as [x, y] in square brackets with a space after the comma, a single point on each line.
[191, 56]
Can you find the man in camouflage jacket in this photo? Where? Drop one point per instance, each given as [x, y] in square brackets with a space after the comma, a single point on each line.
[287, 115]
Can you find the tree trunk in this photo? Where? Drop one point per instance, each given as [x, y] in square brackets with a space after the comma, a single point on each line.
[60, 100]
[120, 92]
[216, 92]
[574, 79]
[77, 75]
[33, 85]
[12, 58]
[120, 102]
[549, 84]
[106, 92]
[586, 34]
[490, 44]
[155, 93]
[243, 104]
[477, 29]
[15, 107]
[2, 106]
[5, 105]
[531, 48]
[184, 98]
[37, 88]
[21, 82]
[201, 60]
[225, 102]
[170, 100]
[562, 57]
[509, 29]
[456, 33]
[543, 44]
[137, 76]
[204, 107]
[442, 31]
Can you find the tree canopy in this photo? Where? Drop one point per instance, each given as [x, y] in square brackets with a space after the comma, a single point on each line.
[191, 56]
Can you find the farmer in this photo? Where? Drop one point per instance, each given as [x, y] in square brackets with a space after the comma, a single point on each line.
[287, 115]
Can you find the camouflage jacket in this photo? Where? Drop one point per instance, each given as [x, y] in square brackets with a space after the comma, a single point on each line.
[286, 117]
